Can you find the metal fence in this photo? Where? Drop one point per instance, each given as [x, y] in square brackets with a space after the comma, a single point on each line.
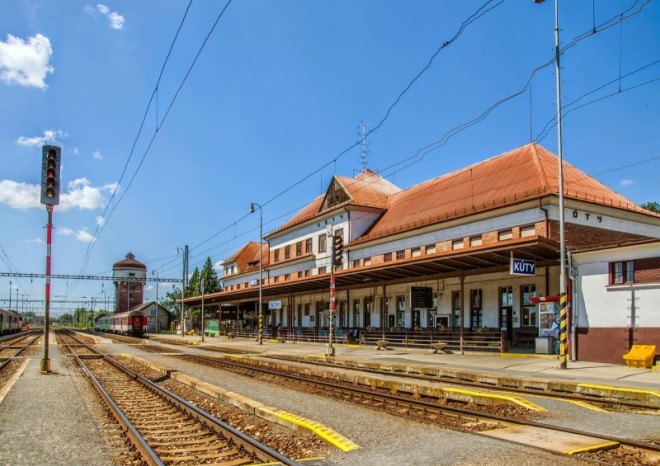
[452, 340]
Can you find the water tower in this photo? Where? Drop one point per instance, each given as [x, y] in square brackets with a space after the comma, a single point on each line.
[128, 276]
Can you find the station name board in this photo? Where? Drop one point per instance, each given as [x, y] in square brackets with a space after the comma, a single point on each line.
[522, 267]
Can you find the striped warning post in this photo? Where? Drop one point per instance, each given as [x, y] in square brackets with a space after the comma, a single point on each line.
[563, 338]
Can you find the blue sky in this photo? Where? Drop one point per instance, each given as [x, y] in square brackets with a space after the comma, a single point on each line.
[273, 101]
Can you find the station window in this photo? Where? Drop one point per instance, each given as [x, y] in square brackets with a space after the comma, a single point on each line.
[527, 231]
[308, 272]
[528, 308]
[323, 245]
[401, 254]
[622, 272]
[367, 261]
[505, 235]
[476, 241]
[308, 246]
[430, 249]
[356, 263]
[287, 276]
[299, 248]
[416, 252]
[276, 255]
[322, 269]
[457, 244]
[387, 257]
[300, 274]
[287, 252]
[276, 279]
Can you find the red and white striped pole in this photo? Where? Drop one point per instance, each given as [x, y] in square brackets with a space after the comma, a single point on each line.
[45, 362]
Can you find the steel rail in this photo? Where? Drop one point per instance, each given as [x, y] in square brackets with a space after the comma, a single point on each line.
[252, 446]
[20, 350]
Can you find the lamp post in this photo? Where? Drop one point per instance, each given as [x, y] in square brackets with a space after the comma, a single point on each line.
[10, 295]
[201, 287]
[254, 205]
[183, 287]
[157, 283]
[562, 239]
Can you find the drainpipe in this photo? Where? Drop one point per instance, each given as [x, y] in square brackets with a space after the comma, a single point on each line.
[547, 223]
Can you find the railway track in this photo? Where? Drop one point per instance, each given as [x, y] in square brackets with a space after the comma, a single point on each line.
[507, 384]
[599, 448]
[162, 426]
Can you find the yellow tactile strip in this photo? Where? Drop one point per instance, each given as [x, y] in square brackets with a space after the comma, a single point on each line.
[474, 394]
[320, 430]
[621, 393]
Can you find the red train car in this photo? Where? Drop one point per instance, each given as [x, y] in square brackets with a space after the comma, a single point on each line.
[132, 323]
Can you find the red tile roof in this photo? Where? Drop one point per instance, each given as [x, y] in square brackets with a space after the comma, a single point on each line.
[249, 254]
[525, 173]
[368, 189]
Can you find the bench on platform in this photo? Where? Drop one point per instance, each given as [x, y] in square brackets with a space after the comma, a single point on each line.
[439, 347]
[381, 344]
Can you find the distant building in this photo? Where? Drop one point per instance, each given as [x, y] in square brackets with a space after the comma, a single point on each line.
[158, 317]
[128, 276]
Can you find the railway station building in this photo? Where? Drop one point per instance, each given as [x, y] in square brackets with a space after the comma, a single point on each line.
[441, 255]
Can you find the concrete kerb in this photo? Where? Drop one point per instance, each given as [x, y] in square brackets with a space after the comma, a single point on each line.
[283, 418]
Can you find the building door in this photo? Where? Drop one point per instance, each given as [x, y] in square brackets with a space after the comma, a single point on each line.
[476, 317]
[368, 307]
[506, 311]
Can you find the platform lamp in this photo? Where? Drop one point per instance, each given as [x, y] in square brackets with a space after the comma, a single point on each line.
[253, 206]
[562, 239]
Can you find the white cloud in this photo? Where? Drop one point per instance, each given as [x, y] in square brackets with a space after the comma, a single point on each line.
[25, 63]
[76, 151]
[625, 182]
[64, 231]
[50, 136]
[36, 240]
[97, 155]
[100, 221]
[20, 195]
[115, 19]
[84, 236]
[79, 194]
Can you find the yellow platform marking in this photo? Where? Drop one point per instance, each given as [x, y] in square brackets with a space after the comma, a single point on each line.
[594, 447]
[586, 405]
[527, 356]
[619, 389]
[322, 431]
[348, 345]
[510, 398]
[583, 404]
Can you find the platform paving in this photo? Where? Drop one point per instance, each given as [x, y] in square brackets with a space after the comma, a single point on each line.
[44, 419]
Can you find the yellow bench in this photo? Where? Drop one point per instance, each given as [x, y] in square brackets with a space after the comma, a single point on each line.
[640, 356]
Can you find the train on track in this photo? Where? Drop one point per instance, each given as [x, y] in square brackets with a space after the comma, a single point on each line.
[10, 322]
[133, 323]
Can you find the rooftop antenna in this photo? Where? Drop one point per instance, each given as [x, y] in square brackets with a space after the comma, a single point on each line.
[363, 142]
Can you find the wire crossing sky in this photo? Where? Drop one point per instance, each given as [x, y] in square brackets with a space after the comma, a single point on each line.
[257, 101]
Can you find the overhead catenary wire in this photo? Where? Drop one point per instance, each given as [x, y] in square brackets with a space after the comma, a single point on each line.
[420, 153]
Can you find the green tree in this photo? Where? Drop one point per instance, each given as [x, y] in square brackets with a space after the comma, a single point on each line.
[211, 282]
[193, 284]
[170, 302]
[652, 206]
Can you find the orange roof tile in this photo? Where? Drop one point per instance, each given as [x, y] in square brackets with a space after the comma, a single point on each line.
[367, 189]
[249, 254]
[525, 173]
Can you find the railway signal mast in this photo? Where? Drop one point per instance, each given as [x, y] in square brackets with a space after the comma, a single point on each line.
[50, 197]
